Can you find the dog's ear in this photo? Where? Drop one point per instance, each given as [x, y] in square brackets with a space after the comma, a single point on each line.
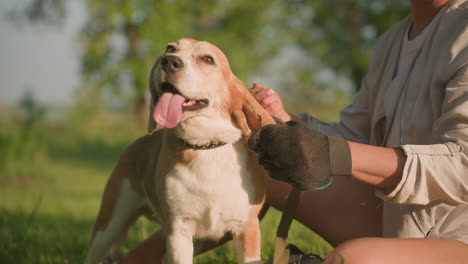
[247, 113]
[154, 96]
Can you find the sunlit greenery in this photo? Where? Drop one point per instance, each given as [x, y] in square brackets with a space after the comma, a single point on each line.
[50, 193]
[54, 161]
[122, 40]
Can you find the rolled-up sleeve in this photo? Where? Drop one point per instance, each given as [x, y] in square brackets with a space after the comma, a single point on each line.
[354, 122]
[439, 171]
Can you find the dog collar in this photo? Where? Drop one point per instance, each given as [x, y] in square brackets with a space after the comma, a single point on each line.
[210, 145]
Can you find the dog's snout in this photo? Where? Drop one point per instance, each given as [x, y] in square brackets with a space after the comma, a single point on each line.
[172, 63]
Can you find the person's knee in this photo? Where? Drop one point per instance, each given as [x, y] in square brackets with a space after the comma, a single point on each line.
[356, 251]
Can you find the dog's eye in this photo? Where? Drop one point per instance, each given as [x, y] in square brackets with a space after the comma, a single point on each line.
[207, 59]
[170, 49]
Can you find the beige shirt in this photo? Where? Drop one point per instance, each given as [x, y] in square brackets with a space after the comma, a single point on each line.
[424, 110]
[409, 52]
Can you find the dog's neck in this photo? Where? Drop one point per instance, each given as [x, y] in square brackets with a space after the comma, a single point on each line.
[207, 132]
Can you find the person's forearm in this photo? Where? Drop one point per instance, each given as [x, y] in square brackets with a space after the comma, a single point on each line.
[377, 166]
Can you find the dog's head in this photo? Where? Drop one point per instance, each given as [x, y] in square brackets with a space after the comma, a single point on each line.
[195, 93]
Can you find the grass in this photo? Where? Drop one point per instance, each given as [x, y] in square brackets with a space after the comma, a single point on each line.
[50, 196]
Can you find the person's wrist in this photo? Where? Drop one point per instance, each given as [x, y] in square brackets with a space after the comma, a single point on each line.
[324, 184]
[340, 156]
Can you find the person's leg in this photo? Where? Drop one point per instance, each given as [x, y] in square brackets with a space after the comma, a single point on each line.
[399, 250]
[345, 210]
[152, 250]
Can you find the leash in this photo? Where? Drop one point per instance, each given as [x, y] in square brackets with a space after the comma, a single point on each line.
[281, 250]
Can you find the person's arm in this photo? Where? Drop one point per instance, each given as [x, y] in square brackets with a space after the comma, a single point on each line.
[354, 125]
[309, 160]
[439, 171]
[412, 174]
[354, 119]
[378, 166]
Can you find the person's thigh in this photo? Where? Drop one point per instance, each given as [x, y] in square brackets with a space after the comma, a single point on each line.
[345, 210]
[152, 250]
[399, 250]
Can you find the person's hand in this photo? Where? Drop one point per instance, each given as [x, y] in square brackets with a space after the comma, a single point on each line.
[303, 157]
[271, 101]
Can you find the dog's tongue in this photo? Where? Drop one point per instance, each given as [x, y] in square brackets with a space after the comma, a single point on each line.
[168, 112]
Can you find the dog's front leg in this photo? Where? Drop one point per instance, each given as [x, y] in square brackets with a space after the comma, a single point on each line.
[248, 243]
[180, 245]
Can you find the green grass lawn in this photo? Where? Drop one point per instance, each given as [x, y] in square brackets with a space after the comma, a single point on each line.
[49, 200]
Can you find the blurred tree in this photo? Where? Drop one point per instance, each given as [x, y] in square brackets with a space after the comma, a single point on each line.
[339, 32]
[52, 11]
[123, 39]
[33, 111]
[48, 12]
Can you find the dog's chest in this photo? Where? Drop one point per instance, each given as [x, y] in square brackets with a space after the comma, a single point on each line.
[213, 193]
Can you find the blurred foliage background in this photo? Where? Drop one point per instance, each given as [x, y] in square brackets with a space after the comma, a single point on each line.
[54, 160]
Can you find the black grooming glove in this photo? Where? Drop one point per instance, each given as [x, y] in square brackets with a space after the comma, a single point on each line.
[303, 157]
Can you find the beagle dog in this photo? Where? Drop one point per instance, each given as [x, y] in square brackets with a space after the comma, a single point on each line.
[195, 176]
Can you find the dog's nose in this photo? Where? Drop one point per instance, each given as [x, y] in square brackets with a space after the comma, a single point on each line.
[172, 63]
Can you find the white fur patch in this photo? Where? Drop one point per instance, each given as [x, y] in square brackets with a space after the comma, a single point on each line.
[201, 130]
[180, 247]
[126, 205]
[213, 193]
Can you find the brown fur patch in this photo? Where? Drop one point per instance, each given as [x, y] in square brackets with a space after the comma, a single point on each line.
[188, 156]
[246, 112]
[154, 95]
